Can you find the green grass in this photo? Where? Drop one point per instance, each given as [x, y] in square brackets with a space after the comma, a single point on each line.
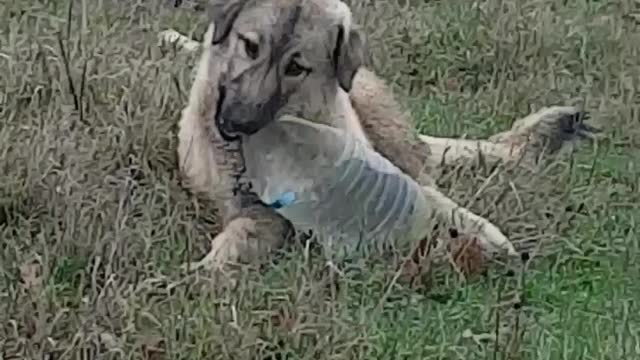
[94, 222]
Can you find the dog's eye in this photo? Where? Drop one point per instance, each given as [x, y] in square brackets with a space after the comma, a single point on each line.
[250, 48]
[294, 69]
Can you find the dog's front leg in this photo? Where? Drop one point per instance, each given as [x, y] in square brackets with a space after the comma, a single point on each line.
[249, 231]
[196, 159]
[248, 238]
[447, 210]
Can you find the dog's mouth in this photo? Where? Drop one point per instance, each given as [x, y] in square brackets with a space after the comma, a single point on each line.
[224, 127]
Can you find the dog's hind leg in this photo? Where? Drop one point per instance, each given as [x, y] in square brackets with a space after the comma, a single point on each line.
[536, 137]
[540, 135]
[548, 130]
[445, 151]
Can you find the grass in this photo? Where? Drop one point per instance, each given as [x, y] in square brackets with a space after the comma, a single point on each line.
[94, 222]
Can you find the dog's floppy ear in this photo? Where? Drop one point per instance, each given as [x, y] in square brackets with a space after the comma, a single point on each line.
[223, 13]
[348, 55]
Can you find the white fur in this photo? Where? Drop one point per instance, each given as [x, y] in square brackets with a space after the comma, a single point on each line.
[197, 163]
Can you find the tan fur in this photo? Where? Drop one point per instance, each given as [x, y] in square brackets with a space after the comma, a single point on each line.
[256, 230]
[368, 111]
[196, 161]
[387, 125]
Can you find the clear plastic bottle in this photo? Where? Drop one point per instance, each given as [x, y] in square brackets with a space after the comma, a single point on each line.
[323, 179]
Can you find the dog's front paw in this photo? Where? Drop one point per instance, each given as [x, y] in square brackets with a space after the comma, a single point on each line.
[224, 248]
[234, 244]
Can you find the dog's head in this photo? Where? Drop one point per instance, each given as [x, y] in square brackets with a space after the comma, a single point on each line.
[280, 57]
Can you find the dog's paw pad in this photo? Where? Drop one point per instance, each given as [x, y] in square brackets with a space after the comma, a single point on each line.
[575, 125]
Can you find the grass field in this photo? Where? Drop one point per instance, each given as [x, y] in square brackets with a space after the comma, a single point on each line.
[94, 222]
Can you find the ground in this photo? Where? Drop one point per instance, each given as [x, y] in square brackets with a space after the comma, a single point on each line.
[94, 223]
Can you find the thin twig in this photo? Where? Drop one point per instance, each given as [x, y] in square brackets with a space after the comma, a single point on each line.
[67, 68]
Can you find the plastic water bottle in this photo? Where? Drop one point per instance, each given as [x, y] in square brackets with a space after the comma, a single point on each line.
[323, 179]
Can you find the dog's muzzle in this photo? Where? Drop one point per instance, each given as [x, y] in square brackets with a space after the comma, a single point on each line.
[224, 127]
[236, 119]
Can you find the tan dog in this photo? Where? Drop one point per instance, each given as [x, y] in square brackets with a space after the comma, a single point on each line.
[262, 59]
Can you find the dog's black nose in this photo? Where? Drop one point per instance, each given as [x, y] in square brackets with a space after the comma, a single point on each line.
[239, 119]
[226, 129]
[237, 127]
